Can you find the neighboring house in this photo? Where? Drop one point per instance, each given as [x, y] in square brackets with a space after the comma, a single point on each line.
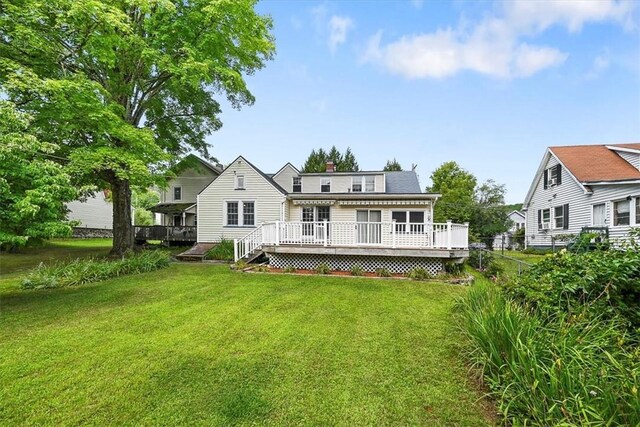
[370, 219]
[518, 221]
[93, 213]
[177, 206]
[583, 186]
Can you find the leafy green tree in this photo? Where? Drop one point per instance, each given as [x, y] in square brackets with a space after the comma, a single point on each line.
[122, 86]
[33, 188]
[490, 216]
[143, 200]
[317, 161]
[392, 165]
[457, 189]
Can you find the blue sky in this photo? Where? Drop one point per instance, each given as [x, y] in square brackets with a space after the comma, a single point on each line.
[487, 84]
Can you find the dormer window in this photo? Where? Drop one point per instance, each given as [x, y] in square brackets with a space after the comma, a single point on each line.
[177, 193]
[325, 185]
[297, 184]
[239, 182]
[356, 184]
[553, 176]
[370, 184]
[363, 183]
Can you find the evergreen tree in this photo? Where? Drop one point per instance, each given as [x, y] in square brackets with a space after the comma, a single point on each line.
[392, 165]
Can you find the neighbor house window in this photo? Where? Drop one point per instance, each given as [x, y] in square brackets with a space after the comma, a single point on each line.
[248, 213]
[553, 176]
[239, 182]
[599, 214]
[297, 184]
[241, 213]
[621, 212]
[558, 217]
[544, 217]
[177, 193]
[356, 184]
[325, 185]
[370, 183]
[408, 221]
[637, 210]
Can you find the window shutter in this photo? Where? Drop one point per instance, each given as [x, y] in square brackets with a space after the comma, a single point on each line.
[565, 221]
[539, 219]
[546, 181]
[559, 173]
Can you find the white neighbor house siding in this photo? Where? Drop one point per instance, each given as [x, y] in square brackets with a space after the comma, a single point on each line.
[212, 200]
[192, 182]
[632, 158]
[580, 207]
[95, 212]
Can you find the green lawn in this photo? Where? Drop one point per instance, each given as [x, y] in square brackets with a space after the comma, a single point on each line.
[199, 344]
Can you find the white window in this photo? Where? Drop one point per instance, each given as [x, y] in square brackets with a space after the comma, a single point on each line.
[297, 184]
[240, 213]
[325, 185]
[356, 184]
[239, 182]
[370, 183]
[409, 221]
[599, 214]
[558, 217]
[621, 212]
[177, 193]
[544, 219]
[637, 210]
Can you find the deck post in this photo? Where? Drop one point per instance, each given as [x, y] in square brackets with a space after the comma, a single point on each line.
[449, 234]
[393, 233]
[235, 250]
[277, 233]
[326, 233]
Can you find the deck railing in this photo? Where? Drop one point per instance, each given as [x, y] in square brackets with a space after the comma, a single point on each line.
[355, 234]
[166, 233]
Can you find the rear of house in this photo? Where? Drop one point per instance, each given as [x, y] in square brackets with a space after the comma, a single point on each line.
[583, 186]
[370, 219]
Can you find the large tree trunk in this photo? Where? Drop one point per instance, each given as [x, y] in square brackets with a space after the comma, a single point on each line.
[122, 224]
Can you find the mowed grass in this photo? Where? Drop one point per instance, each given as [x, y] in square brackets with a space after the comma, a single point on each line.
[202, 345]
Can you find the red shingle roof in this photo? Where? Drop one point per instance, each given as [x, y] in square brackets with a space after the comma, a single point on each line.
[595, 163]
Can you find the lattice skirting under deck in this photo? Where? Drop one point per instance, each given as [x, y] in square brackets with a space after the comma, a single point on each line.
[346, 262]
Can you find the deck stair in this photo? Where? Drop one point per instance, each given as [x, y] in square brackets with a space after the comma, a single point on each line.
[196, 252]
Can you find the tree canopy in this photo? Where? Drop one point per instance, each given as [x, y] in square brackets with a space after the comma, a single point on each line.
[317, 161]
[123, 87]
[464, 200]
[33, 188]
[392, 165]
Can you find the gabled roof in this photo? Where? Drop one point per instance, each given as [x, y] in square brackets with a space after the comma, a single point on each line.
[597, 163]
[259, 172]
[273, 175]
[402, 182]
[191, 159]
[517, 212]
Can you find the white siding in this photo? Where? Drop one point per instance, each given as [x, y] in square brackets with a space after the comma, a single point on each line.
[211, 201]
[632, 158]
[339, 183]
[192, 182]
[95, 212]
[348, 213]
[580, 207]
[284, 178]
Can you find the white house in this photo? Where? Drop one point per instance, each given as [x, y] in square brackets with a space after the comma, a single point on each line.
[583, 186]
[94, 213]
[518, 220]
[370, 219]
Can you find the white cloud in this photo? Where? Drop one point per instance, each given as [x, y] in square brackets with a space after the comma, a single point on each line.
[493, 46]
[600, 64]
[338, 28]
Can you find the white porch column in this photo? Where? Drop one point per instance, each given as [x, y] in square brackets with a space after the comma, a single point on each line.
[277, 233]
[184, 218]
[326, 232]
[448, 234]
[393, 233]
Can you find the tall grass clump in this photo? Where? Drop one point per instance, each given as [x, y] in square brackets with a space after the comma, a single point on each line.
[222, 251]
[88, 270]
[550, 370]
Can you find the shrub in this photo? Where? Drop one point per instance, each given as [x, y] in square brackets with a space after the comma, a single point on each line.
[82, 271]
[289, 269]
[419, 274]
[261, 268]
[485, 262]
[323, 269]
[559, 370]
[383, 272]
[221, 251]
[454, 268]
[356, 270]
[240, 265]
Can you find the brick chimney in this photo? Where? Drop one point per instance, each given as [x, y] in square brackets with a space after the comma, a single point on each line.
[330, 166]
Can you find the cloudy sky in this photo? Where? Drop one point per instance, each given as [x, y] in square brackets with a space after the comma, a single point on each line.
[487, 84]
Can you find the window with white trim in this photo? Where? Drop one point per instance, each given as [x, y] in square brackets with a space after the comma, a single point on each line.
[356, 184]
[177, 193]
[621, 212]
[325, 185]
[240, 213]
[599, 215]
[409, 221]
[637, 210]
[363, 183]
[370, 184]
[239, 182]
[297, 184]
[558, 217]
[544, 217]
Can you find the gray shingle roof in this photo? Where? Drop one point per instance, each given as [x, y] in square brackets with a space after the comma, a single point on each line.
[404, 182]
